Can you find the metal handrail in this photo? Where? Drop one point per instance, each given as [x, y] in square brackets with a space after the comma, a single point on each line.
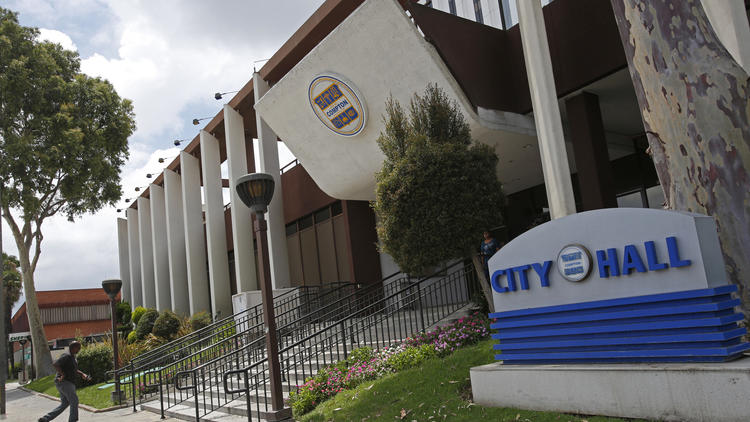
[318, 314]
[374, 286]
[245, 372]
[199, 333]
[147, 364]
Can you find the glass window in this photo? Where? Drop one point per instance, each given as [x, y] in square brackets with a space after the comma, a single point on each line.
[630, 200]
[306, 222]
[655, 196]
[336, 208]
[322, 215]
[452, 7]
[291, 228]
[478, 11]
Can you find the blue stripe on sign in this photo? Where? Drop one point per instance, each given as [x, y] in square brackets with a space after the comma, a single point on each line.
[692, 326]
[630, 340]
[606, 314]
[653, 324]
[660, 359]
[619, 347]
[620, 308]
[616, 354]
[730, 288]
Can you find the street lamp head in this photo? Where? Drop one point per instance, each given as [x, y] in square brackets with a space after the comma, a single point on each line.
[256, 190]
[112, 287]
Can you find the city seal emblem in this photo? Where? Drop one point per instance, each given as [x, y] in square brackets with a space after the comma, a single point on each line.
[337, 104]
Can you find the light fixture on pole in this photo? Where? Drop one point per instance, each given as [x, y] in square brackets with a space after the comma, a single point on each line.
[219, 95]
[196, 121]
[112, 288]
[256, 190]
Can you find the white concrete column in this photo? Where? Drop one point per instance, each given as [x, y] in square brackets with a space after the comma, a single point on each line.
[268, 151]
[195, 246]
[178, 284]
[122, 246]
[546, 110]
[729, 20]
[134, 256]
[216, 235]
[161, 255]
[242, 225]
[147, 253]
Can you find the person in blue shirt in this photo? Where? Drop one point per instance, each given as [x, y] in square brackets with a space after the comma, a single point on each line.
[489, 246]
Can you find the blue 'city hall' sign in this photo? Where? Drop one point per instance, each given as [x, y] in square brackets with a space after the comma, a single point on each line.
[653, 290]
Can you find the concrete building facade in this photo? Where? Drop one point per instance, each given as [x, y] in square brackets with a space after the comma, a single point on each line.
[551, 94]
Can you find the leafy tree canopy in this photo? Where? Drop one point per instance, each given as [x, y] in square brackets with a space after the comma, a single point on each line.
[63, 140]
[438, 190]
[63, 134]
[11, 280]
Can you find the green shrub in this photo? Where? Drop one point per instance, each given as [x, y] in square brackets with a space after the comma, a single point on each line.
[361, 354]
[94, 360]
[167, 325]
[430, 156]
[146, 323]
[123, 313]
[200, 320]
[411, 357]
[137, 314]
[132, 337]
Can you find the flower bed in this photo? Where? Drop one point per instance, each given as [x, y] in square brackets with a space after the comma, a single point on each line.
[365, 364]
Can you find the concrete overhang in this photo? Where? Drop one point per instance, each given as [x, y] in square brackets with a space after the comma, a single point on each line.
[381, 52]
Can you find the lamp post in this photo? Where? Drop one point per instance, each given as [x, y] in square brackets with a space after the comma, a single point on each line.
[23, 360]
[256, 190]
[112, 288]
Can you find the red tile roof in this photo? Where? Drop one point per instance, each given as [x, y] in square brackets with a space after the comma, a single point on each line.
[66, 298]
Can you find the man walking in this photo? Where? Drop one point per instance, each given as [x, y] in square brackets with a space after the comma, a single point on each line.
[67, 369]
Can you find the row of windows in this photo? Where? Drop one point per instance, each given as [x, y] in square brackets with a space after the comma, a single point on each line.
[74, 314]
[504, 11]
[318, 248]
[314, 218]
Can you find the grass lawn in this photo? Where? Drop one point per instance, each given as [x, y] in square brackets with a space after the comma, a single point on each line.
[438, 390]
[91, 395]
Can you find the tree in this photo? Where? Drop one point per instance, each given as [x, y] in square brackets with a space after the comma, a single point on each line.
[437, 190]
[12, 283]
[694, 103]
[63, 141]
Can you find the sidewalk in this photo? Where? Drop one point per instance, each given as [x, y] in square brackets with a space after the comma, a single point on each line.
[22, 406]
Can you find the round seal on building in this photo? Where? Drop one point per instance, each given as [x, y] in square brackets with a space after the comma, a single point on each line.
[337, 103]
[574, 262]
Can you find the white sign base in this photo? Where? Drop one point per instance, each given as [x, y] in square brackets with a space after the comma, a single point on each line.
[695, 392]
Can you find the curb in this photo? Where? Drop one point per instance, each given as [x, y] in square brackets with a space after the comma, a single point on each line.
[80, 406]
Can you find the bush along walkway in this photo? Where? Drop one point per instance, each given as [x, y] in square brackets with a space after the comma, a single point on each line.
[366, 364]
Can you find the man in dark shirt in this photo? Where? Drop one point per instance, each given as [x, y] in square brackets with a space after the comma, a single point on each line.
[67, 369]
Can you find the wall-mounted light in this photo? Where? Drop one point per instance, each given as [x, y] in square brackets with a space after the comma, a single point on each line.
[219, 95]
[177, 142]
[197, 121]
[149, 175]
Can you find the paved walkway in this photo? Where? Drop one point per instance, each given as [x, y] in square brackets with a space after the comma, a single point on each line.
[22, 406]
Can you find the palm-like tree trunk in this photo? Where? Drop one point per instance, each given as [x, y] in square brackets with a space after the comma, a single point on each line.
[694, 103]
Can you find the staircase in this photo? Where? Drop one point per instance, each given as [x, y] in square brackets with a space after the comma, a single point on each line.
[228, 379]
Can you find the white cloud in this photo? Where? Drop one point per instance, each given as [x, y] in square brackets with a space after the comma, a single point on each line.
[55, 36]
[169, 57]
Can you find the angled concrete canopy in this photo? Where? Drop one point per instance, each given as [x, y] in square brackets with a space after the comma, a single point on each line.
[381, 52]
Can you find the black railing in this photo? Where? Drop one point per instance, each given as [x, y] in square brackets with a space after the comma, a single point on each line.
[377, 319]
[248, 350]
[146, 374]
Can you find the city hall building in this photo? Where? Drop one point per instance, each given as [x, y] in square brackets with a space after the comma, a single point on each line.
[323, 94]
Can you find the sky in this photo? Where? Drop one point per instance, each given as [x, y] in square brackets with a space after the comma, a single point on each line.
[169, 57]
